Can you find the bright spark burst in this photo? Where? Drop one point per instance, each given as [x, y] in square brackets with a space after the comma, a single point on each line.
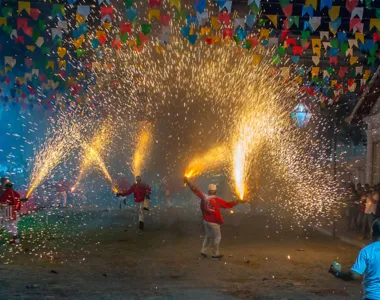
[210, 161]
[54, 150]
[92, 157]
[143, 148]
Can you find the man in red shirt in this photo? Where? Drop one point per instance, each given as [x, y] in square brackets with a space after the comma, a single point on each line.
[140, 191]
[61, 188]
[10, 200]
[212, 218]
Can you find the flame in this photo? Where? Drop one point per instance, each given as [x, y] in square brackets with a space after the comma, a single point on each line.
[209, 161]
[143, 148]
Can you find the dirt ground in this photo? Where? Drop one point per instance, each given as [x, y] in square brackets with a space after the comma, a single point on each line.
[98, 254]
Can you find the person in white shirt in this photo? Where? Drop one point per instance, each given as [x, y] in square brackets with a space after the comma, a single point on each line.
[369, 213]
[367, 264]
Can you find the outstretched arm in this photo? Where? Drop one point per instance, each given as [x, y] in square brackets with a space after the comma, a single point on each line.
[225, 204]
[193, 188]
[128, 192]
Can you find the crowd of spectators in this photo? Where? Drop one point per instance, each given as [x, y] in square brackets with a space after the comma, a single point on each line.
[362, 207]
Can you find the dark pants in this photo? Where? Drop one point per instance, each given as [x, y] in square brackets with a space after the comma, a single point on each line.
[359, 221]
[367, 223]
[352, 217]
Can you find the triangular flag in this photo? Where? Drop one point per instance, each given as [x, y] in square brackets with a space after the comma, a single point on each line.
[351, 4]
[358, 11]
[22, 5]
[273, 19]
[313, 3]
[324, 34]
[315, 60]
[353, 60]
[315, 22]
[374, 23]
[334, 13]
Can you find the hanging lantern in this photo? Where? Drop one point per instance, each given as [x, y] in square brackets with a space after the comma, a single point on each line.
[301, 115]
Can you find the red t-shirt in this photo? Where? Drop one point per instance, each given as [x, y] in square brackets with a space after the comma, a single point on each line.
[139, 190]
[210, 206]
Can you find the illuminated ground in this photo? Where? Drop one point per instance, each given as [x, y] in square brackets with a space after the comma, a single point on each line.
[116, 263]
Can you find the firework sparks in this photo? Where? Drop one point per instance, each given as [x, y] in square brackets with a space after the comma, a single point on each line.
[143, 149]
[54, 151]
[212, 160]
[92, 157]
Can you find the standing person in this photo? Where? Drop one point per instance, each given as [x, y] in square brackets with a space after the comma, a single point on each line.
[10, 199]
[370, 212]
[140, 191]
[3, 181]
[351, 197]
[361, 206]
[212, 218]
[366, 264]
[61, 188]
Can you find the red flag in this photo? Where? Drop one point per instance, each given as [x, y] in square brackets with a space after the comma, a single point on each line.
[342, 71]
[288, 10]
[291, 41]
[284, 34]
[376, 37]
[354, 22]
[227, 32]
[104, 11]
[297, 50]
[254, 41]
[224, 17]
[165, 19]
[351, 4]
[333, 60]
[154, 3]
[22, 23]
[125, 28]
[34, 13]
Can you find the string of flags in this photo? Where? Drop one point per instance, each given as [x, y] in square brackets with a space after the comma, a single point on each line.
[49, 51]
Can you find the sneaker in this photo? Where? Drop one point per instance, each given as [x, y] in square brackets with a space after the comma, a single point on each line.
[204, 255]
[220, 256]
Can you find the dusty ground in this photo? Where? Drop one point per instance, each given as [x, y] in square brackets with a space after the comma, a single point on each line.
[105, 258]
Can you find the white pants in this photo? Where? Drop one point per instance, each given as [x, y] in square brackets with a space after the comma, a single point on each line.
[62, 198]
[141, 211]
[11, 227]
[212, 236]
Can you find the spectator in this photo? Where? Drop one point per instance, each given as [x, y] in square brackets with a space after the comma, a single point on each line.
[369, 212]
[361, 206]
[351, 197]
[367, 264]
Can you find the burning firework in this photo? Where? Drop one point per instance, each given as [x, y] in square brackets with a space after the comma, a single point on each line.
[54, 150]
[209, 161]
[92, 157]
[143, 149]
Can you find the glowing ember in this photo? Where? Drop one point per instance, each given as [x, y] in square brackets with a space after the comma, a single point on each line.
[143, 149]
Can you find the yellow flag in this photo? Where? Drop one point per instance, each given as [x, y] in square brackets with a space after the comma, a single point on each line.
[316, 43]
[62, 64]
[256, 59]
[154, 13]
[273, 19]
[299, 79]
[131, 43]
[334, 12]
[50, 65]
[7, 69]
[367, 73]
[264, 33]
[317, 51]
[215, 39]
[359, 36]
[312, 3]
[3, 21]
[176, 3]
[80, 19]
[22, 5]
[353, 60]
[215, 23]
[205, 30]
[374, 23]
[31, 48]
[61, 52]
[314, 72]
[159, 49]
[107, 25]
[78, 43]
[334, 82]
